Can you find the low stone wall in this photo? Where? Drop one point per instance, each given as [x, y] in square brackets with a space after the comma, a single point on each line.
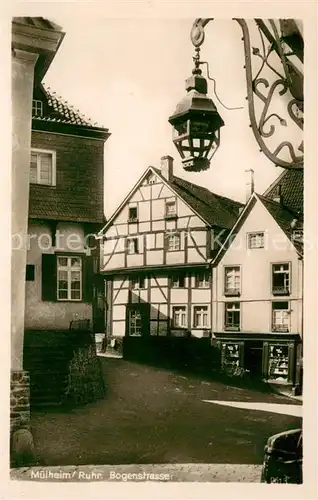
[19, 398]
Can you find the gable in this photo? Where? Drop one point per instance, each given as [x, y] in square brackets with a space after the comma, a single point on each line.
[150, 198]
[277, 245]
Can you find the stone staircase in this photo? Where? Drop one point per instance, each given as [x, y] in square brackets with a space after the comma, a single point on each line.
[47, 355]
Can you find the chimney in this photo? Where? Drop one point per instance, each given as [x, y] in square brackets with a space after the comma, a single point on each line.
[278, 195]
[167, 167]
[249, 184]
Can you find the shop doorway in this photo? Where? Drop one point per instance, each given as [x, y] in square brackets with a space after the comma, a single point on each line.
[253, 358]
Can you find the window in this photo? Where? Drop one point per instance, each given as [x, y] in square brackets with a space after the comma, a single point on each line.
[278, 362]
[232, 315]
[179, 316]
[134, 323]
[69, 278]
[137, 282]
[281, 279]
[232, 280]
[178, 281]
[200, 317]
[29, 276]
[171, 208]
[280, 317]
[132, 245]
[172, 241]
[256, 240]
[37, 108]
[202, 280]
[151, 179]
[42, 167]
[133, 214]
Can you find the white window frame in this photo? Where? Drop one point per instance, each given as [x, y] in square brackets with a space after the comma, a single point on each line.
[132, 326]
[236, 271]
[168, 204]
[137, 282]
[135, 243]
[173, 237]
[36, 107]
[183, 316]
[286, 288]
[175, 280]
[232, 307]
[282, 325]
[69, 268]
[202, 283]
[202, 310]
[38, 153]
[256, 234]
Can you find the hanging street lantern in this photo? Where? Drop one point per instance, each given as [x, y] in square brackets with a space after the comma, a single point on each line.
[279, 52]
[196, 124]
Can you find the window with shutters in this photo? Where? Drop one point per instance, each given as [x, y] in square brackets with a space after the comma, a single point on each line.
[280, 317]
[69, 278]
[43, 167]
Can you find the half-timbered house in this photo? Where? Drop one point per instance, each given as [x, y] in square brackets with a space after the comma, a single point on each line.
[155, 255]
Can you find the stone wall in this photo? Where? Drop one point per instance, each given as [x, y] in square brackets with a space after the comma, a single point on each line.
[19, 398]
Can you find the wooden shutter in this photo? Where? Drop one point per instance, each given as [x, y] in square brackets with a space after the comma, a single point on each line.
[88, 277]
[49, 278]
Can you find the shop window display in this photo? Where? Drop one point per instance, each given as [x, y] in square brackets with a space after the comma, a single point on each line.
[278, 362]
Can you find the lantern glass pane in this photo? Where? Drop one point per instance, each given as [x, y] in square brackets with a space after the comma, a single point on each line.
[199, 128]
[181, 128]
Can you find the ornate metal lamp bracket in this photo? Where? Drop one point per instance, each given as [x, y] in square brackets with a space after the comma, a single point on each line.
[289, 80]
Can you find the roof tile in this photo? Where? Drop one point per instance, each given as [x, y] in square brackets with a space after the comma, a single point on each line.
[215, 209]
[59, 110]
[292, 189]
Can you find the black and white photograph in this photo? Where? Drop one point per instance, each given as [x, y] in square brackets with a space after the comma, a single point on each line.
[158, 249]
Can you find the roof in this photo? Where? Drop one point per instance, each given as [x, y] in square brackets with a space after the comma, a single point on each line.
[39, 36]
[59, 110]
[37, 22]
[292, 189]
[72, 210]
[284, 217]
[215, 209]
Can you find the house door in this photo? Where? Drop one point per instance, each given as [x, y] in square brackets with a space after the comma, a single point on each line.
[138, 320]
[253, 358]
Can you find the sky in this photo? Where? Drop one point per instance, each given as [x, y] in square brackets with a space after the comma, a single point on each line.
[128, 76]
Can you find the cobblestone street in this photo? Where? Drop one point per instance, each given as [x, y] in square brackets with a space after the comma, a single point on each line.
[152, 415]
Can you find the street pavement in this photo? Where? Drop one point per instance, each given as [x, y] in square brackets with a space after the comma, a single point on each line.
[156, 416]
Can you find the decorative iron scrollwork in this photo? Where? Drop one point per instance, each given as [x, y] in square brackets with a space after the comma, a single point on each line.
[288, 81]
